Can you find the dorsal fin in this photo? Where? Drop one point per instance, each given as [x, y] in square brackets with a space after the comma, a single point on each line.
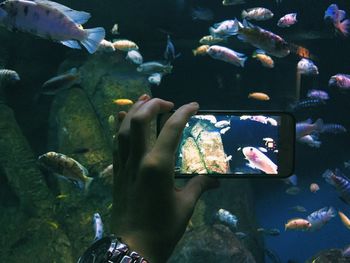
[78, 17]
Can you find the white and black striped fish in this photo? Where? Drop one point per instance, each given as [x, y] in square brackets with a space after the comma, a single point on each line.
[51, 20]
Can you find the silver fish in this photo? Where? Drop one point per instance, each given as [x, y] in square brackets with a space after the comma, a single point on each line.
[317, 94]
[342, 81]
[60, 82]
[307, 67]
[293, 190]
[154, 67]
[227, 55]
[227, 218]
[51, 20]
[8, 76]
[298, 208]
[106, 46]
[98, 226]
[135, 57]
[233, 2]
[155, 78]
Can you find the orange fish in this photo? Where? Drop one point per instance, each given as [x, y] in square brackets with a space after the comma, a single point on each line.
[123, 102]
[297, 224]
[265, 60]
[258, 96]
[201, 50]
[344, 219]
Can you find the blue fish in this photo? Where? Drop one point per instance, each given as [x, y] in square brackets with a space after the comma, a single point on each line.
[169, 53]
[340, 182]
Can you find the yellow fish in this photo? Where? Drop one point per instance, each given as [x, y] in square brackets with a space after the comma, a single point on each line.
[53, 224]
[344, 219]
[201, 50]
[258, 96]
[61, 196]
[265, 60]
[123, 102]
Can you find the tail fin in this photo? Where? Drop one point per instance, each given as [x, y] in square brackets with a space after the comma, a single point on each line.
[93, 38]
[244, 14]
[319, 125]
[331, 212]
[343, 27]
[242, 61]
[168, 69]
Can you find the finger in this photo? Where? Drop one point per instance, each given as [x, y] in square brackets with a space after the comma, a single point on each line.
[196, 187]
[122, 145]
[140, 125]
[170, 135]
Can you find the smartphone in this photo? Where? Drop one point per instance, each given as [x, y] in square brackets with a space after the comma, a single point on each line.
[236, 144]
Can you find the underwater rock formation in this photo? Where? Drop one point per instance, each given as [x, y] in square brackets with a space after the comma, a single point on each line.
[202, 150]
[211, 244]
[329, 255]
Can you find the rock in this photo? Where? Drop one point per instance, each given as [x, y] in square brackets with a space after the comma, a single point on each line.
[329, 255]
[211, 244]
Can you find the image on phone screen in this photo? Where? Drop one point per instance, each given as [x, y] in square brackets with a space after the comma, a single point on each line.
[230, 144]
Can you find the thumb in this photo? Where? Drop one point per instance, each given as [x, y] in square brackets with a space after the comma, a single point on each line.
[196, 187]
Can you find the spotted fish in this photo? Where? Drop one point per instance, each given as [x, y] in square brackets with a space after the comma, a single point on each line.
[51, 20]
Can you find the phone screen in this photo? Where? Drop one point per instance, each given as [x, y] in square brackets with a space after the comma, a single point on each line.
[237, 144]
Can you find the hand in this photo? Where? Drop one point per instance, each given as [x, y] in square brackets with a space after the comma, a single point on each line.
[149, 213]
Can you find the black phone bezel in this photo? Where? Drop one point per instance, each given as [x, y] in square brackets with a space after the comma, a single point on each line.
[286, 154]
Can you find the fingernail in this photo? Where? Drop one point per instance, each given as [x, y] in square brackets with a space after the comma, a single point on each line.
[144, 97]
[194, 104]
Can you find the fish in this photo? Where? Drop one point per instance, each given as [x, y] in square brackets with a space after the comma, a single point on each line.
[226, 218]
[224, 130]
[135, 57]
[258, 160]
[344, 219]
[227, 55]
[340, 182]
[307, 67]
[287, 20]
[320, 217]
[298, 208]
[228, 158]
[232, 2]
[201, 50]
[293, 180]
[241, 235]
[202, 13]
[262, 149]
[154, 67]
[62, 196]
[333, 128]
[342, 81]
[307, 127]
[97, 226]
[346, 252]
[337, 17]
[257, 13]
[8, 76]
[223, 29]
[311, 140]
[66, 167]
[260, 38]
[307, 103]
[53, 225]
[105, 46]
[317, 94]
[115, 29]
[264, 59]
[347, 164]
[169, 53]
[123, 102]
[125, 45]
[298, 224]
[258, 118]
[269, 232]
[51, 20]
[61, 82]
[155, 78]
[210, 40]
[314, 188]
[222, 124]
[259, 96]
[293, 190]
